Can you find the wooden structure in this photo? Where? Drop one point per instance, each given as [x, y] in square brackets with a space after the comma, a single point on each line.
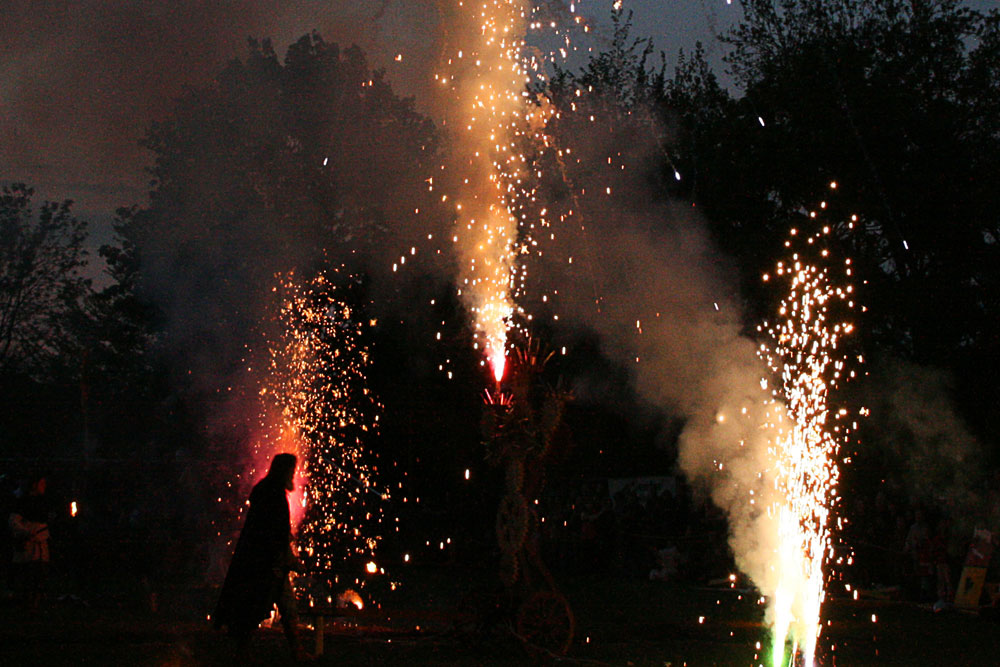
[518, 426]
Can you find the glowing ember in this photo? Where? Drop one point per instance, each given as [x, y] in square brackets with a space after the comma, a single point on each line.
[498, 361]
[350, 597]
[72, 508]
[804, 351]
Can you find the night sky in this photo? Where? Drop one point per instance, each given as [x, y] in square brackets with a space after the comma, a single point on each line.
[80, 82]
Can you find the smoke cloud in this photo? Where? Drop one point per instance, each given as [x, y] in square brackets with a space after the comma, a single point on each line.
[643, 274]
[285, 162]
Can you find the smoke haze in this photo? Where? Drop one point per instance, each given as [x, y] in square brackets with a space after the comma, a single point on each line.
[939, 458]
[285, 162]
[643, 274]
[81, 81]
[85, 78]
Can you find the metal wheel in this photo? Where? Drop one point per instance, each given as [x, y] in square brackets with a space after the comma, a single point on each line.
[510, 569]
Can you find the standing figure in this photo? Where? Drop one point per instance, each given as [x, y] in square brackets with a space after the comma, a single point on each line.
[29, 526]
[258, 574]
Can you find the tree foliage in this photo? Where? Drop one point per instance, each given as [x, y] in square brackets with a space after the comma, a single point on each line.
[274, 166]
[42, 290]
[889, 99]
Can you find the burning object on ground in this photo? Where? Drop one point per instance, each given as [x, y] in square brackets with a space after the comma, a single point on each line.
[350, 597]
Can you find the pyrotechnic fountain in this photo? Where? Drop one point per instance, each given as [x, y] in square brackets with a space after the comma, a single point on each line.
[488, 78]
[495, 123]
[805, 351]
[329, 417]
[493, 126]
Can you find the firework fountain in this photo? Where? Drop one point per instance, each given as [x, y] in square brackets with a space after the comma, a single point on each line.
[317, 395]
[805, 350]
[495, 126]
[486, 79]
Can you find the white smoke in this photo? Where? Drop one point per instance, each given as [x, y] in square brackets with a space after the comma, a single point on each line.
[647, 279]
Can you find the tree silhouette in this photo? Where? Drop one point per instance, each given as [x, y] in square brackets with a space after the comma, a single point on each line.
[893, 100]
[885, 99]
[41, 287]
[274, 166]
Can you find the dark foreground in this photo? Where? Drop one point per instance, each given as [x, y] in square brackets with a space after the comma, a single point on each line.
[618, 622]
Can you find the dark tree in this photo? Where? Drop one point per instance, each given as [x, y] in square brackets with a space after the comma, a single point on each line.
[123, 379]
[41, 287]
[274, 166]
[279, 166]
[889, 100]
[42, 317]
[613, 101]
[893, 100]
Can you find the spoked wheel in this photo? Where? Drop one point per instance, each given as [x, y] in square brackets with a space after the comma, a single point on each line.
[514, 477]
[545, 621]
[510, 569]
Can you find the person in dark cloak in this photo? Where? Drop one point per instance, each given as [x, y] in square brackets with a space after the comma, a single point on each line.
[258, 573]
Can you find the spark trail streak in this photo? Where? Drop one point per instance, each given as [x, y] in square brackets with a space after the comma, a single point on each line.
[488, 79]
[804, 352]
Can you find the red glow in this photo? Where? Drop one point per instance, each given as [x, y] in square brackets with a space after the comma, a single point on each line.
[297, 502]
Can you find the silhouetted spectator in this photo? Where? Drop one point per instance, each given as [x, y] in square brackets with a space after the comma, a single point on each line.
[258, 574]
[29, 525]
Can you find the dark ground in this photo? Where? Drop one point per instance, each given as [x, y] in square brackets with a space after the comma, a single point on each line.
[618, 622]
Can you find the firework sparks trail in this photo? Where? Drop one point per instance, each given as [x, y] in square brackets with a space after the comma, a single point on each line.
[499, 129]
[328, 416]
[803, 350]
[488, 78]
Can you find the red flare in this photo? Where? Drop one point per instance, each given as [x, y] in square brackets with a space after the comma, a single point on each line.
[499, 362]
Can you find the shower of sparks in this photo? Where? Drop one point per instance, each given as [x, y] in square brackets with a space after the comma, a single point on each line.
[488, 78]
[499, 125]
[805, 350]
[317, 383]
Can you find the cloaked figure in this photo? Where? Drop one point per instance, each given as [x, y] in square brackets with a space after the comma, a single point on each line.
[258, 574]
